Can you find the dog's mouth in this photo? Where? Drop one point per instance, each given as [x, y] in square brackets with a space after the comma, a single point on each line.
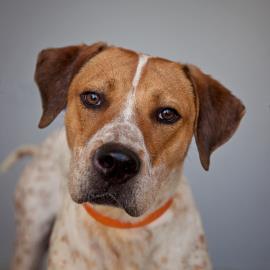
[112, 200]
[104, 199]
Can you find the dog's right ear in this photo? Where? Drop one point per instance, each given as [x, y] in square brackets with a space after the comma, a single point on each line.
[55, 70]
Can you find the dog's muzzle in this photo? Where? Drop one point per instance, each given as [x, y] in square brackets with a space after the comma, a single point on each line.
[115, 163]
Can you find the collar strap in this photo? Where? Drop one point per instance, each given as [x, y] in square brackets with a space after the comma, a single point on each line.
[114, 223]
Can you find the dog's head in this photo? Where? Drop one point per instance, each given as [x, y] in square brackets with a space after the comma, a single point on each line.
[130, 119]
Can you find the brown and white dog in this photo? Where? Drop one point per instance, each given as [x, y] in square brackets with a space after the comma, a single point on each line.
[129, 122]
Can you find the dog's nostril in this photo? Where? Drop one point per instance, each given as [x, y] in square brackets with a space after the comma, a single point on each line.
[107, 162]
[130, 166]
[116, 163]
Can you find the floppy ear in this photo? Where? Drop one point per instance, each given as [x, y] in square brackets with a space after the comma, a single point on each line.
[55, 70]
[218, 113]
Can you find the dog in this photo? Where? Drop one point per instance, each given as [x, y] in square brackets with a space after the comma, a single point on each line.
[107, 191]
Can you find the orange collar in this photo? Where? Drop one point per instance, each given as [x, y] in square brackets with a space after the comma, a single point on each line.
[114, 223]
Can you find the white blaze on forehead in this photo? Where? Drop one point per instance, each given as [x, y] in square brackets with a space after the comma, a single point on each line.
[127, 113]
[142, 61]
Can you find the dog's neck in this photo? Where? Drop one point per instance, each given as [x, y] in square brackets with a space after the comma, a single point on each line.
[182, 202]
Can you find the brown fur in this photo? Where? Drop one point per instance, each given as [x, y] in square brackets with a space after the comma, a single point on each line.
[219, 113]
[110, 73]
[164, 84]
[55, 70]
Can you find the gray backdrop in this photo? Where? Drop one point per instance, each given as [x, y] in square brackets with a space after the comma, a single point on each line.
[229, 39]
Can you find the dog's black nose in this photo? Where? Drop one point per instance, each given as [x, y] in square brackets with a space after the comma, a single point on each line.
[116, 163]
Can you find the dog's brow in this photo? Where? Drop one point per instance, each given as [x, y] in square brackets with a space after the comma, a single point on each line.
[103, 70]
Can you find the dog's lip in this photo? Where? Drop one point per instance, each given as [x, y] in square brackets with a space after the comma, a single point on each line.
[103, 198]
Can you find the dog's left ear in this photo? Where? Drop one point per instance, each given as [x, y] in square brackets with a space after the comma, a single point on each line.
[55, 70]
[218, 113]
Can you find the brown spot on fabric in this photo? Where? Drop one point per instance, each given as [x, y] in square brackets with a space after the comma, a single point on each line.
[75, 254]
[115, 251]
[149, 235]
[18, 260]
[163, 260]
[202, 239]
[19, 206]
[64, 239]
[64, 262]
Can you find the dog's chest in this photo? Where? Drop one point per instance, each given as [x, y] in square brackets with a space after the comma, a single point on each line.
[79, 242]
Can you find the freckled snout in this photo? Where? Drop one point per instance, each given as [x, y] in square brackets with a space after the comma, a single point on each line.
[115, 163]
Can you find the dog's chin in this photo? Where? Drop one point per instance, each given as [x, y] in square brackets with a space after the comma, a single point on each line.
[108, 200]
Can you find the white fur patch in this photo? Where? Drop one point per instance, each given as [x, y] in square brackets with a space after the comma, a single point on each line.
[128, 111]
[142, 61]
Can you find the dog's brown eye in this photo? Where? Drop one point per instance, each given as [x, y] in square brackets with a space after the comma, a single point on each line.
[91, 99]
[167, 115]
